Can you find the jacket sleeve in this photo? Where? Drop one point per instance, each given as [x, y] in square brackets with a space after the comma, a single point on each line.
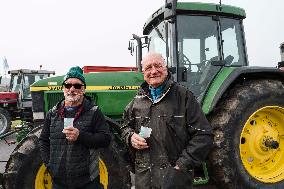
[100, 137]
[128, 124]
[44, 142]
[200, 135]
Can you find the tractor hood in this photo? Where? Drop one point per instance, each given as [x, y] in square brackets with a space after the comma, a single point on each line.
[111, 91]
[95, 81]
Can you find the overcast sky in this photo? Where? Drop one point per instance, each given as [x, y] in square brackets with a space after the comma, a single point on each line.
[58, 34]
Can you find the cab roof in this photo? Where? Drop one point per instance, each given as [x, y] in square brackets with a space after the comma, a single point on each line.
[198, 9]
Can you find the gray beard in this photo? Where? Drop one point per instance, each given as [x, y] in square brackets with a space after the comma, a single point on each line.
[73, 99]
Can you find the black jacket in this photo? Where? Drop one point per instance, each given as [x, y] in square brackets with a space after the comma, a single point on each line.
[73, 164]
[181, 134]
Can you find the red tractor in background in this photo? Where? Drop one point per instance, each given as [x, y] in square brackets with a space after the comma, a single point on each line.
[16, 101]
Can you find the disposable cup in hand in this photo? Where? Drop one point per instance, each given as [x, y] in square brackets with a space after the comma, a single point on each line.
[145, 132]
[68, 122]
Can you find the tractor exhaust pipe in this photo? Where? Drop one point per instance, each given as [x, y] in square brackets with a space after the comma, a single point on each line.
[139, 51]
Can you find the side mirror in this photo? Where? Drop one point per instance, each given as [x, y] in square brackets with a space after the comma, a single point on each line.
[131, 47]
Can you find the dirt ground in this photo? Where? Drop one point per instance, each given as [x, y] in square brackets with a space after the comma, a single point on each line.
[5, 151]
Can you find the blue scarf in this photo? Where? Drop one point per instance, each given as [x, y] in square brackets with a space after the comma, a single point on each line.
[156, 93]
[71, 108]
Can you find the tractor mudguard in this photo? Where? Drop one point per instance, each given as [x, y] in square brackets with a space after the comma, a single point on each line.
[228, 77]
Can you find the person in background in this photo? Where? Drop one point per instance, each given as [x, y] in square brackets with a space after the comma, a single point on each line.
[73, 131]
[165, 129]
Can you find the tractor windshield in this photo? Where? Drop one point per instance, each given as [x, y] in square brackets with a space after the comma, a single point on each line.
[205, 44]
[161, 41]
[21, 83]
[30, 79]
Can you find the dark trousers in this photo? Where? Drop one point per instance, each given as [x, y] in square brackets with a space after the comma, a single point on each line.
[95, 184]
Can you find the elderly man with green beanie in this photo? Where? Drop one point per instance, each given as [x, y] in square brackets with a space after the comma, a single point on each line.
[73, 131]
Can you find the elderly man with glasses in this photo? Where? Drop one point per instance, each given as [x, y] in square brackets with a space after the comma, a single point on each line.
[165, 129]
[73, 131]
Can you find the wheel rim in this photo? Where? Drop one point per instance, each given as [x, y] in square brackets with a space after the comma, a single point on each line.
[43, 179]
[103, 174]
[3, 123]
[262, 144]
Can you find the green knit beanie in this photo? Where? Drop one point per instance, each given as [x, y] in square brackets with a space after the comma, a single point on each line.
[75, 72]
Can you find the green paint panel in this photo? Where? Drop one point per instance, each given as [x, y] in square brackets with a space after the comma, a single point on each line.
[214, 87]
[210, 7]
[112, 103]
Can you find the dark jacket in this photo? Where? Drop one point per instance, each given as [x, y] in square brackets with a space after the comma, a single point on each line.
[181, 134]
[74, 164]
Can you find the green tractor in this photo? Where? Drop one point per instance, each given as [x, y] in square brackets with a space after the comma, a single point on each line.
[204, 46]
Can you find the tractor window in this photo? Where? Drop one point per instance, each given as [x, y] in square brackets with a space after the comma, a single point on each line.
[233, 47]
[157, 39]
[15, 83]
[197, 47]
[30, 79]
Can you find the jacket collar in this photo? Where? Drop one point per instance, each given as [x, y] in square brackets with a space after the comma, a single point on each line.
[144, 89]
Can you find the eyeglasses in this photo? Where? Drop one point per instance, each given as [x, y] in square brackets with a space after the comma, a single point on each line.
[157, 66]
[69, 85]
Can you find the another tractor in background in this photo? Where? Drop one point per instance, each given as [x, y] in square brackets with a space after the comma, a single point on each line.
[16, 102]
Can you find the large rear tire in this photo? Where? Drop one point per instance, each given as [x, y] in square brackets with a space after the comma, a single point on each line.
[25, 170]
[248, 125]
[5, 121]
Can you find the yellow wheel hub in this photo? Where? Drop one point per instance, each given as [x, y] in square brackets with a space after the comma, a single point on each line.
[103, 174]
[43, 179]
[262, 144]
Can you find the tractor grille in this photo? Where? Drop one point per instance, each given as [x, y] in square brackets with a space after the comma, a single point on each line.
[52, 98]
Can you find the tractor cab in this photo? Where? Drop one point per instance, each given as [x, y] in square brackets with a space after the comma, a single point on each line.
[20, 85]
[21, 81]
[16, 103]
[196, 40]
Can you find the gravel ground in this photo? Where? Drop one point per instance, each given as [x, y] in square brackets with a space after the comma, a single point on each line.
[5, 151]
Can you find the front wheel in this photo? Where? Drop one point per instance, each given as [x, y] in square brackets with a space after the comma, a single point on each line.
[5, 121]
[25, 170]
[249, 137]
